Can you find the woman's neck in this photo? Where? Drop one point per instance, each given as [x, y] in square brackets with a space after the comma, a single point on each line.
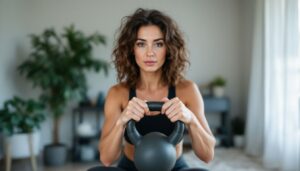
[150, 81]
[150, 87]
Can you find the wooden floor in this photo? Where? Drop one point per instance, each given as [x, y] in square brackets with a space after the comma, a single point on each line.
[225, 160]
[24, 165]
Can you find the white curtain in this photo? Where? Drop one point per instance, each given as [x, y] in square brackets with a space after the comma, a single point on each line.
[274, 114]
[255, 119]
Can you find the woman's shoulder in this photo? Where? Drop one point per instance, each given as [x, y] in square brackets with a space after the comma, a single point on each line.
[117, 95]
[186, 89]
[119, 90]
[186, 85]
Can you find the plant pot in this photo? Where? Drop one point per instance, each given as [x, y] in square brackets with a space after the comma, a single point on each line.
[1, 146]
[218, 91]
[239, 141]
[87, 153]
[55, 154]
[19, 145]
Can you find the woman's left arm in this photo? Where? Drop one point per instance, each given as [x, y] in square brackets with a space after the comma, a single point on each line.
[189, 108]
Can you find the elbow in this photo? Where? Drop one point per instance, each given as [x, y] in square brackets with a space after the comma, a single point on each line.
[105, 160]
[206, 161]
[208, 158]
[209, 153]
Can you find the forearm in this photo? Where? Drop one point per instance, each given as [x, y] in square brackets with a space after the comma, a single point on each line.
[111, 145]
[203, 142]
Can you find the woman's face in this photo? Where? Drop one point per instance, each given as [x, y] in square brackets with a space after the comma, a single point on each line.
[150, 49]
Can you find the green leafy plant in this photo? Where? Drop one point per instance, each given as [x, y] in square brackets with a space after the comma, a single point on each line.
[57, 65]
[21, 116]
[238, 126]
[218, 81]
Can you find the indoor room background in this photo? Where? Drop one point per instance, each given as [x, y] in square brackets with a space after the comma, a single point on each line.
[220, 37]
[217, 35]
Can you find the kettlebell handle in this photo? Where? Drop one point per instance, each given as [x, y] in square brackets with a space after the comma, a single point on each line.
[174, 138]
[155, 106]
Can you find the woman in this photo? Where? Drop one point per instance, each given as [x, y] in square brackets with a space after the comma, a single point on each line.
[150, 58]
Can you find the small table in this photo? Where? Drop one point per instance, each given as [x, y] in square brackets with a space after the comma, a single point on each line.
[220, 105]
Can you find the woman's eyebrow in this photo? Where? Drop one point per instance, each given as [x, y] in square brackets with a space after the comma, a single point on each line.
[155, 40]
[144, 40]
[140, 39]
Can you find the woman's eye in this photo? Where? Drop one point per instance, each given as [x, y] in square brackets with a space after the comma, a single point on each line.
[159, 44]
[140, 44]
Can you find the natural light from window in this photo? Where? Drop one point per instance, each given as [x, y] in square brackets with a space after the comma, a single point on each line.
[298, 64]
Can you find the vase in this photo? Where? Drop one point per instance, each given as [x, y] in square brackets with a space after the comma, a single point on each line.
[239, 141]
[218, 91]
[19, 144]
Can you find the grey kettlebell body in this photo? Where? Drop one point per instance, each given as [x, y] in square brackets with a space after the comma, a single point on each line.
[155, 151]
[151, 148]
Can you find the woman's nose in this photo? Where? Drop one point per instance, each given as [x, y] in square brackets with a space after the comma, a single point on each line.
[150, 51]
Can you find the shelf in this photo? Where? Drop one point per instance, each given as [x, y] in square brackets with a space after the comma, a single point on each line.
[80, 141]
[87, 137]
[82, 109]
[213, 104]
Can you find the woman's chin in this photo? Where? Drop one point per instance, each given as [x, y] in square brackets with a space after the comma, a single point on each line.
[152, 69]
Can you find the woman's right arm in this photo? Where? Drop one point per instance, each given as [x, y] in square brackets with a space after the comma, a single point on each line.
[110, 145]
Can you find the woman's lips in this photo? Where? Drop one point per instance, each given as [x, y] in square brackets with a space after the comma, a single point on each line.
[150, 63]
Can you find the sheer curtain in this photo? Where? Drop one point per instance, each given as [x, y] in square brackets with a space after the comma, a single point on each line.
[280, 87]
[255, 119]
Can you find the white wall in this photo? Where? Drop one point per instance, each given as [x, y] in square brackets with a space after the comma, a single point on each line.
[214, 31]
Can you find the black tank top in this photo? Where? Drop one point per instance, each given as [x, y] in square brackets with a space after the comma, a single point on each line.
[157, 123]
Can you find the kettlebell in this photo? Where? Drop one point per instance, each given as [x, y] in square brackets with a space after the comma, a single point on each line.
[155, 151]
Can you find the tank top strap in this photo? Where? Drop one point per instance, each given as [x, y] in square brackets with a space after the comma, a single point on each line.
[171, 93]
[132, 93]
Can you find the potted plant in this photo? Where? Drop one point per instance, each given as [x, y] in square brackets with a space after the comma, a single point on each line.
[57, 65]
[218, 86]
[238, 130]
[19, 122]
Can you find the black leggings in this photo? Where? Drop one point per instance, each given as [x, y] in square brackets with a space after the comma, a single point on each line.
[126, 164]
[180, 165]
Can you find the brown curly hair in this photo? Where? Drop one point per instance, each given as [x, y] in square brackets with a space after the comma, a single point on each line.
[123, 56]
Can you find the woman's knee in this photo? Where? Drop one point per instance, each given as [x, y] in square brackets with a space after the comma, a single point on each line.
[194, 169]
[102, 168]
